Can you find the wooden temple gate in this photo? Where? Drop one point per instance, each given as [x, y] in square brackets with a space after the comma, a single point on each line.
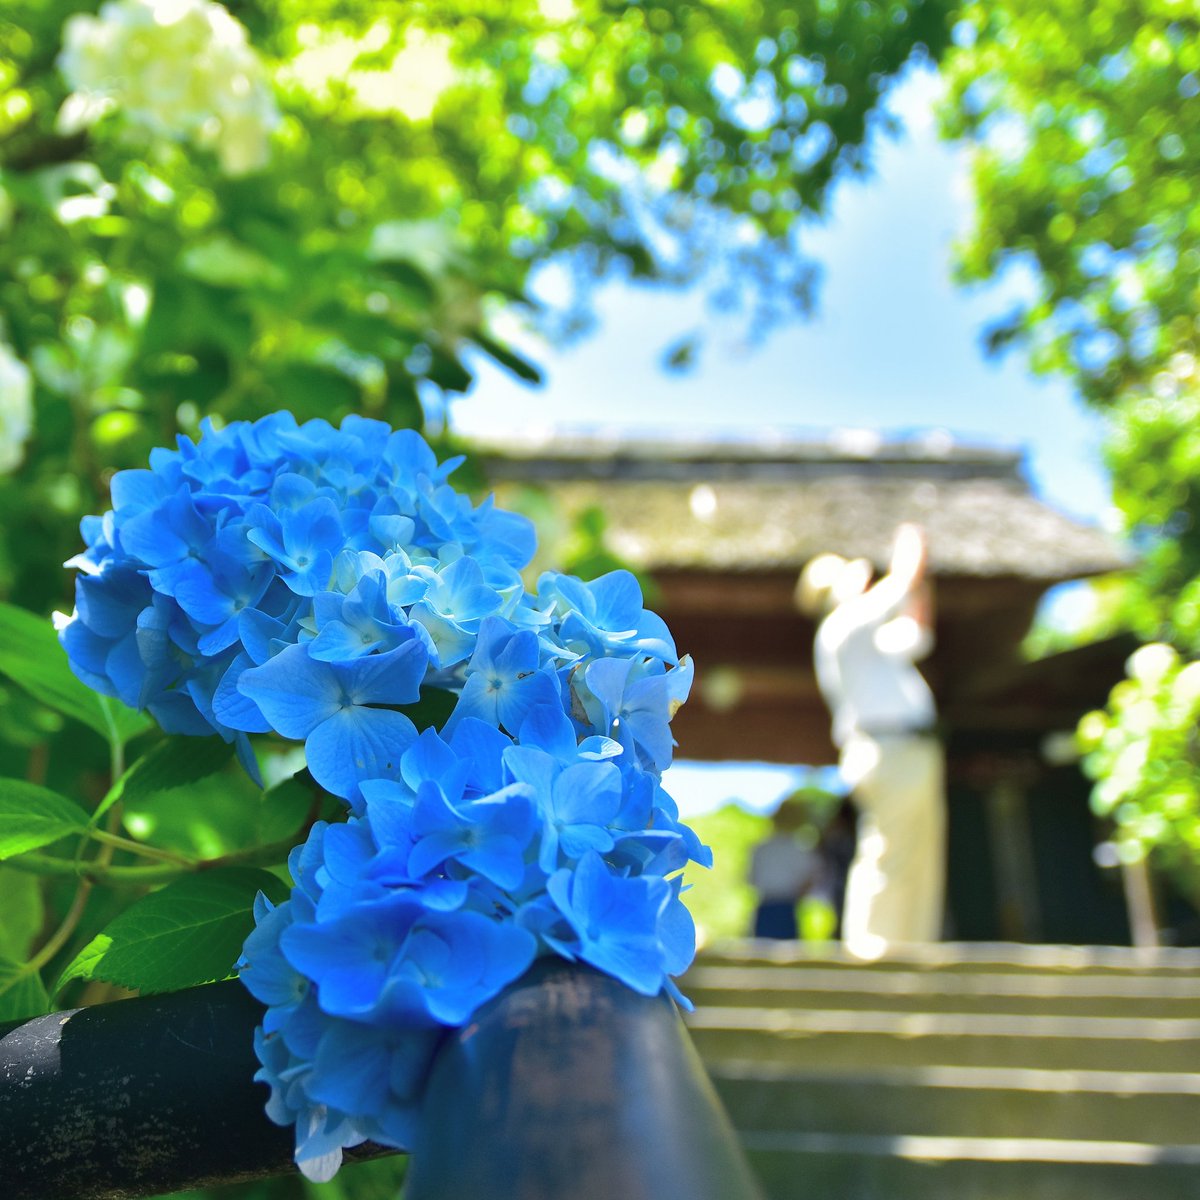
[724, 529]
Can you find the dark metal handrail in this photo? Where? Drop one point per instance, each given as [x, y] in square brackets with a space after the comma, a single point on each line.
[568, 1085]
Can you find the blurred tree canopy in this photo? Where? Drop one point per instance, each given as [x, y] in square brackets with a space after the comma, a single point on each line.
[325, 207]
[1088, 135]
[329, 206]
[1086, 123]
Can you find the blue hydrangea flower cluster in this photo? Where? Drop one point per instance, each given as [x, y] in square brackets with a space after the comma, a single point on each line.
[317, 583]
[295, 578]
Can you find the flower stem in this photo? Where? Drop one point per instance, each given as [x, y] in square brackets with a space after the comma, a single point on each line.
[98, 871]
[123, 843]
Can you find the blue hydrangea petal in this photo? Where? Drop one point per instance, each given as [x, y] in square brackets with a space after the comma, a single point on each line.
[391, 678]
[293, 692]
[357, 743]
[233, 707]
[481, 745]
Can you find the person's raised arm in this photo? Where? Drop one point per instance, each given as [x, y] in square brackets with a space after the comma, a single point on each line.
[910, 556]
[893, 595]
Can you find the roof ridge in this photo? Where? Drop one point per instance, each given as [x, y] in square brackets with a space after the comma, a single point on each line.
[927, 448]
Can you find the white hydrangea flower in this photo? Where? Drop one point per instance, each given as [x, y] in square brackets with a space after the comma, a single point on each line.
[177, 69]
[16, 409]
[1149, 664]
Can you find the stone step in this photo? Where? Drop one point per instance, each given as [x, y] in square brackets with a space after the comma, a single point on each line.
[790, 986]
[814, 1038]
[856, 1167]
[1147, 1107]
[962, 957]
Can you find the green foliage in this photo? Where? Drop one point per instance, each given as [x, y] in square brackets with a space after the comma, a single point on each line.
[282, 811]
[1143, 750]
[432, 710]
[176, 762]
[1087, 145]
[189, 932]
[427, 160]
[1154, 453]
[721, 900]
[31, 656]
[1085, 121]
[22, 994]
[24, 913]
[376, 1179]
[586, 552]
[32, 816]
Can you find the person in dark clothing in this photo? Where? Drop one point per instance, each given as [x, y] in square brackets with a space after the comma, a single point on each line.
[782, 870]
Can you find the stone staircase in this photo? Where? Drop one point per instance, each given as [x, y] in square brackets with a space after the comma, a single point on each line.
[957, 1072]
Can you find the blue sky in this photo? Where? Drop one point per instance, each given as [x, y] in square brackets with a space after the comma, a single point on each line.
[894, 345]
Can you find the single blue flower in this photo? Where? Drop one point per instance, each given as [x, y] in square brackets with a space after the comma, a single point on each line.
[577, 803]
[615, 920]
[488, 835]
[349, 957]
[376, 1073]
[268, 976]
[605, 616]
[451, 963]
[357, 624]
[547, 727]
[334, 708]
[321, 1132]
[481, 746]
[504, 678]
[633, 701]
[167, 538]
[303, 541]
[215, 593]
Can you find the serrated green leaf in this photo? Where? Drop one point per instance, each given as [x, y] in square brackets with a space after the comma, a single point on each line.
[24, 912]
[33, 816]
[22, 993]
[31, 656]
[174, 763]
[83, 965]
[189, 932]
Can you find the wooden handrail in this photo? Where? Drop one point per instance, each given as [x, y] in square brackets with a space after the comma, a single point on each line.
[568, 1085]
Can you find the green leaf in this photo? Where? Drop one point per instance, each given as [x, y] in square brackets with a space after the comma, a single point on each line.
[33, 816]
[83, 965]
[223, 262]
[448, 371]
[433, 708]
[189, 932]
[24, 912]
[174, 763]
[283, 810]
[31, 656]
[22, 993]
[508, 358]
[312, 388]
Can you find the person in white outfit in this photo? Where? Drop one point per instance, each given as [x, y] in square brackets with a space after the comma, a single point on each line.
[866, 650]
